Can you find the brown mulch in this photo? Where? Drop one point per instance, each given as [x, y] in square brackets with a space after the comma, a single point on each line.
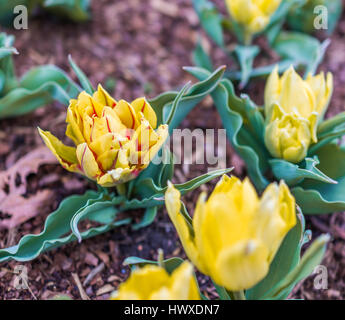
[134, 48]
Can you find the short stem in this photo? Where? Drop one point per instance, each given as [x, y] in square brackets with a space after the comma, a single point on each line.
[248, 38]
[238, 295]
[121, 189]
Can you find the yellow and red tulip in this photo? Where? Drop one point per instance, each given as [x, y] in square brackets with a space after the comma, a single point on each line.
[234, 235]
[114, 140]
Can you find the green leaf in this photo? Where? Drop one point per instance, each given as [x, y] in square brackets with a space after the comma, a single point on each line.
[245, 135]
[330, 124]
[175, 104]
[310, 260]
[245, 55]
[157, 193]
[201, 58]
[294, 174]
[317, 197]
[210, 20]
[300, 48]
[76, 10]
[57, 229]
[286, 259]
[39, 87]
[84, 81]
[260, 71]
[222, 293]
[163, 103]
[170, 264]
[149, 216]
[277, 20]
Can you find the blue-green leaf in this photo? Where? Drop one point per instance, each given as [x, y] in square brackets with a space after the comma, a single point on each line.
[294, 174]
[170, 264]
[57, 230]
[201, 58]
[210, 20]
[316, 197]
[246, 136]
[84, 81]
[245, 55]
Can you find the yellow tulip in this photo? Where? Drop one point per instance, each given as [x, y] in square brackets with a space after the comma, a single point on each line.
[115, 140]
[154, 283]
[234, 235]
[252, 15]
[293, 109]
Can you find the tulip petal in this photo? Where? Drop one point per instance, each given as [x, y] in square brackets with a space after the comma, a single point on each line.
[127, 114]
[141, 105]
[241, 266]
[87, 104]
[143, 282]
[75, 127]
[173, 205]
[275, 217]
[87, 161]
[103, 97]
[65, 154]
[183, 283]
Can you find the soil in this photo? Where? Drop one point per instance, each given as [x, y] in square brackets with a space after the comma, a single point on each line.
[133, 48]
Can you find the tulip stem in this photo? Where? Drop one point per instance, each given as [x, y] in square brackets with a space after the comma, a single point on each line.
[237, 295]
[121, 189]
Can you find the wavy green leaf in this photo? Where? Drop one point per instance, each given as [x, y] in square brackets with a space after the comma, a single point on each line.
[163, 103]
[246, 137]
[301, 48]
[294, 174]
[57, 230]
[318, 197]
[169, 264]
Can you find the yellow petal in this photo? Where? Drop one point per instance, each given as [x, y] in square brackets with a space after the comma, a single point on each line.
[296, 94]
[86, 104]
[184, 286]
[103, 97]
[272, 91]
[143, 282]
[241, 266]
[127, 114]
[75, 126]
[148, 143]
[275, 217]
[173, 205]
[87, 162]
[107, 160]
[65, 154]
[141, 105]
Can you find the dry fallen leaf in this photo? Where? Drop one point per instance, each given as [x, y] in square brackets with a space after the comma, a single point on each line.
[15, 206]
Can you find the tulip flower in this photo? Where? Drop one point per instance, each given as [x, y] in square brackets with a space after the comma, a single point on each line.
[252, 15]
[115, 140]
[293, 109]
[234, 235]
[154, 283]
